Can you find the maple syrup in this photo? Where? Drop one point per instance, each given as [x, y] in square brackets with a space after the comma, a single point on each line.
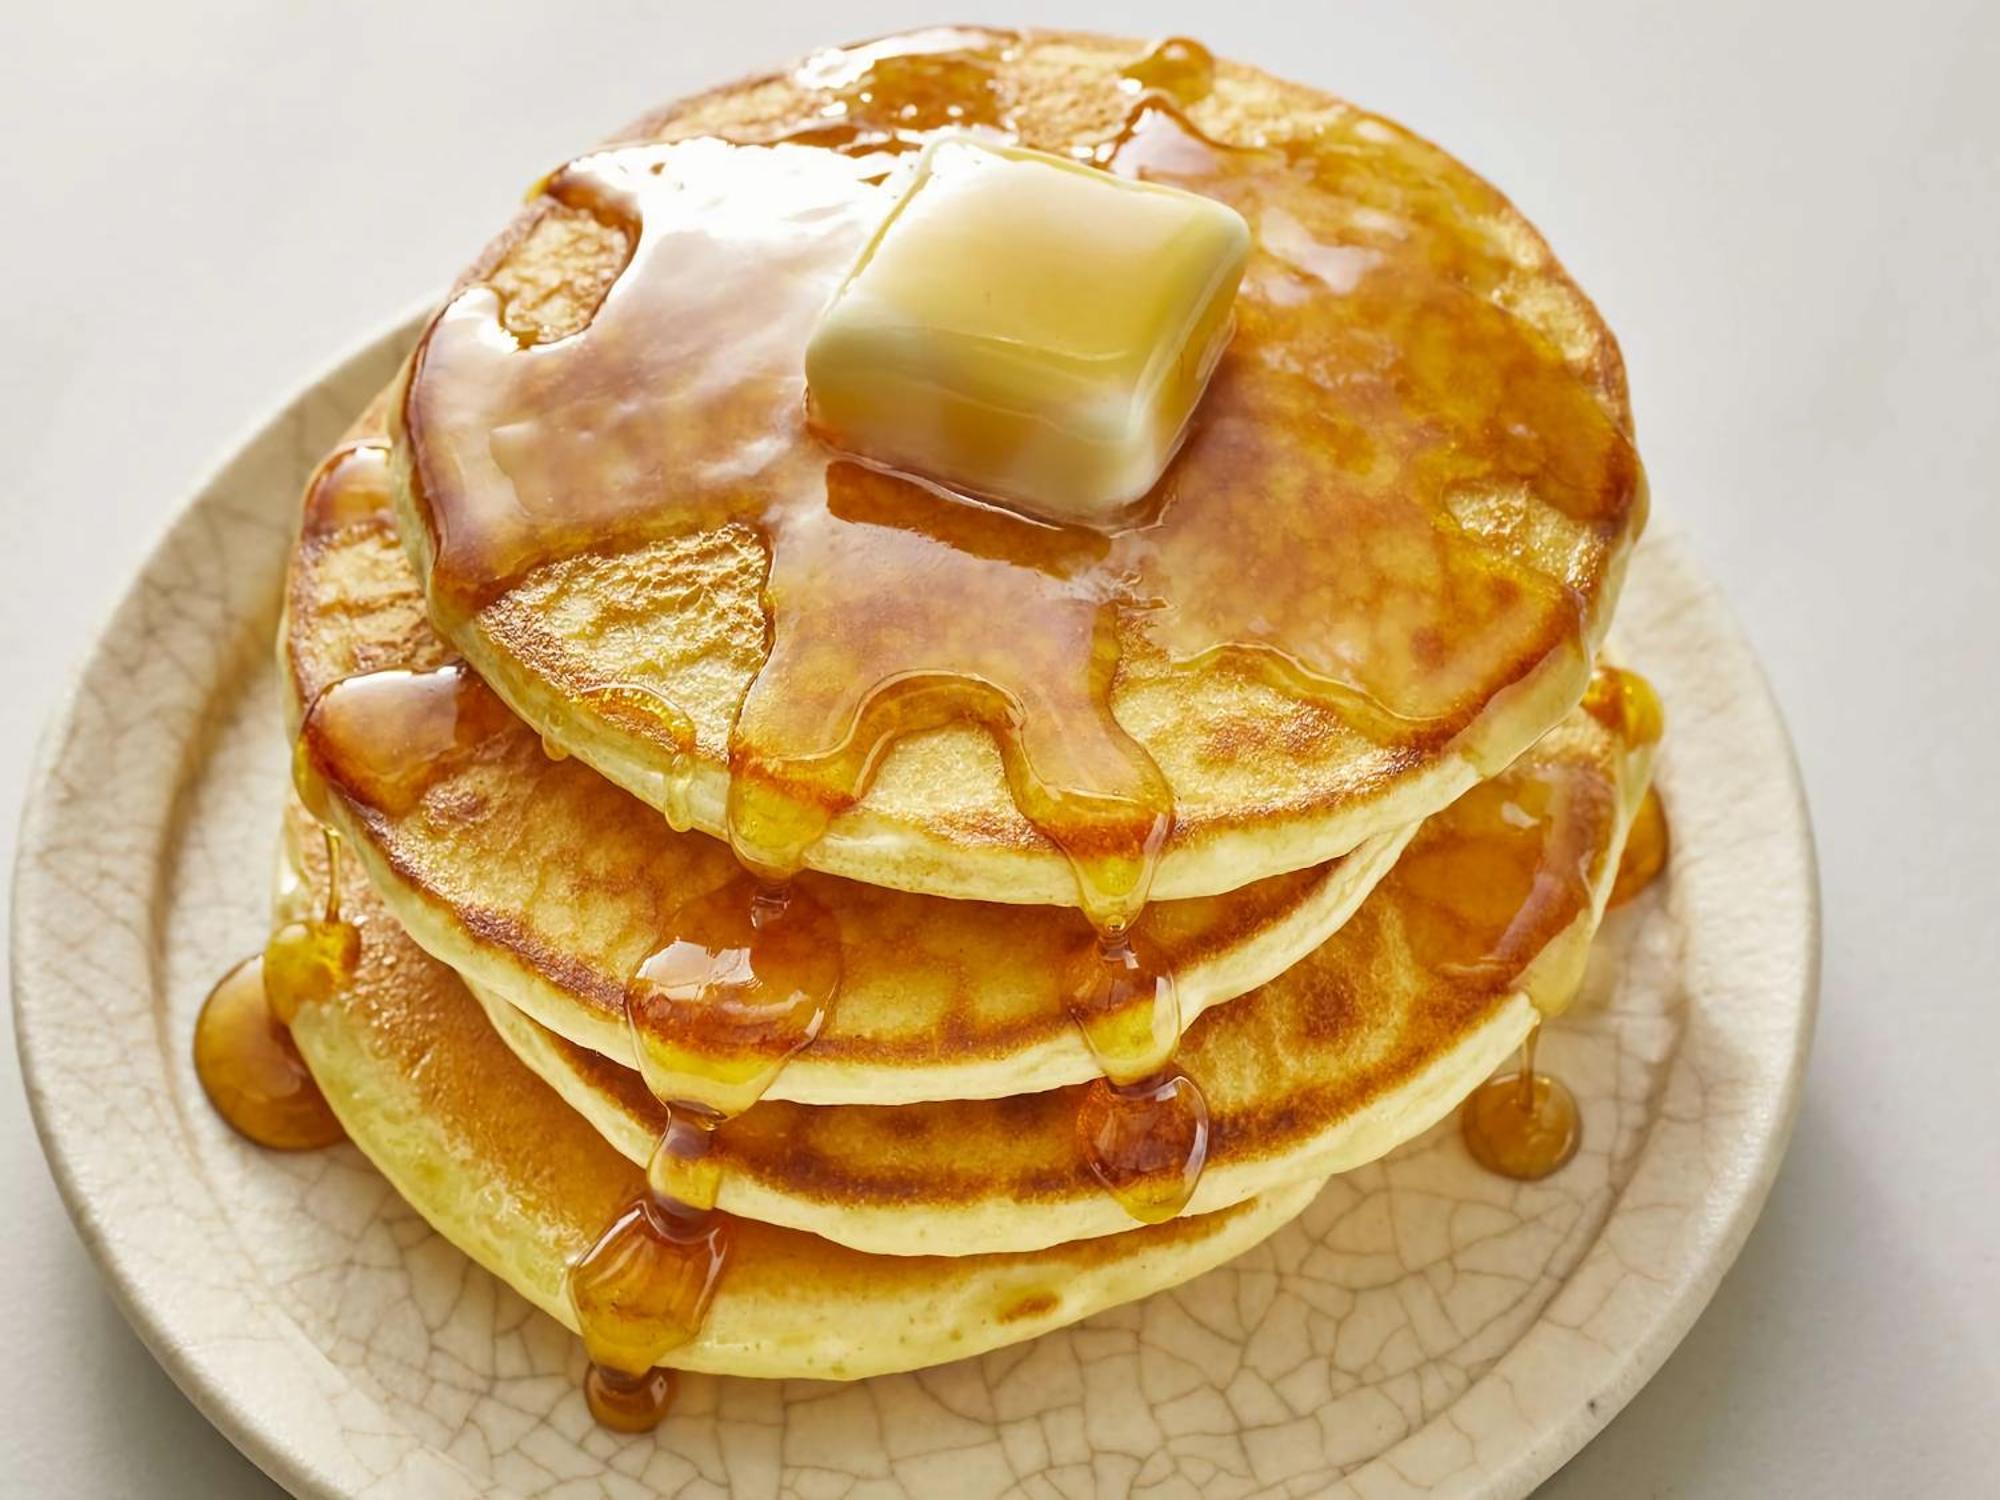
[628, 1403]
[1523, 1125]
[741, 984]
[1143, 1126]
[1176, 66]
[351, 485]
[904, 86]
[1486, 886]
[668, 729]
[643, 1289]
[914, 83]
[385, 738]
[244, 1054]
[251, 1070]
[1124, 999]
[1509, 865]
[1146, 1142]
[1646, 849]
[1626, 704]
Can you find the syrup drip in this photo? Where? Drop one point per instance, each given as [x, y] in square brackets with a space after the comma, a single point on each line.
[1488, 884]
[643, 1289]
[645, 714]
[1525, 1125]
[351, 486]
[1308, 533]
[628, 1403]
[1143, 1126]
[385, 738]
[1146, 1142]
[243, 1050]
[741, 985]
[1626, 704]
[1646, 850]
[1513, 862]
[741, 981]
[251, 1070]
[1124, 999]
[1176, 66]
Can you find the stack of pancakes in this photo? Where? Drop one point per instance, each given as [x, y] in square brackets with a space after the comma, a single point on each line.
[917, 926]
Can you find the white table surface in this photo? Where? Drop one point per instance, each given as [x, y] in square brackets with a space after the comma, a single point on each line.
[1789, 212]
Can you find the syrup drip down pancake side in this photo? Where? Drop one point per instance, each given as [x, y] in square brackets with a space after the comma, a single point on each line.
[1377, 569]
[499, 1165]
[1480, 932]
[547, 886]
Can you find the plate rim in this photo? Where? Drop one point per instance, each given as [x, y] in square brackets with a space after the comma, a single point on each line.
[305, 1469]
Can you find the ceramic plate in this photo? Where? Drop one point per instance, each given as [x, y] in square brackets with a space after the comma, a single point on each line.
[1422, 1329]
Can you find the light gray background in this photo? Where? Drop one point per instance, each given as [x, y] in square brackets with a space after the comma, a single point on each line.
[1789, 212]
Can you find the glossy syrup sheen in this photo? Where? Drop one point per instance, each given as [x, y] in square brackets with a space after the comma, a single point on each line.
[351, 486]
[386, 737]
[1509, 865]
[742, 983]
[1304, 533]
[252, 1072]
[732, 992]
[243, 1050]
[1143, 1127]
[742, 980]
[1627, 704]
[1146, 1142]
[1499, 874]
[644, 1288]
[1524, 1125]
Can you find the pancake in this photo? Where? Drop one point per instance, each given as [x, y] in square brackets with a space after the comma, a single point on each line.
[547, 886]
[1481, 929]
[501, 1167]
[1377, 570]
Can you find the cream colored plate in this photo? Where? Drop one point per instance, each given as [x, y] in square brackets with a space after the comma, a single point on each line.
[1424, 1328]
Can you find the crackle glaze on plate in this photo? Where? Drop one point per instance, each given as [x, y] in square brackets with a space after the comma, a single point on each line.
[1422, 1329]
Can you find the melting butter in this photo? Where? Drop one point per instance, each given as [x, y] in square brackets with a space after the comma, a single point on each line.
[1028, 328]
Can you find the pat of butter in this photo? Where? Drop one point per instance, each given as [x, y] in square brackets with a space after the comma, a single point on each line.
[1029, 329]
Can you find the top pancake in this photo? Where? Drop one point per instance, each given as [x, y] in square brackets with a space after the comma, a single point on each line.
[1379, 566]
